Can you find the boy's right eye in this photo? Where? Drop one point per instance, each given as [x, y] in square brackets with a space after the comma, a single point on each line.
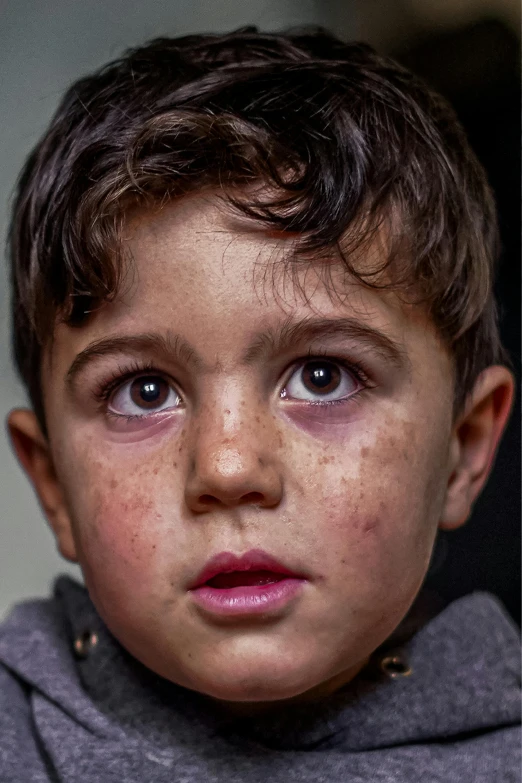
[147, 393]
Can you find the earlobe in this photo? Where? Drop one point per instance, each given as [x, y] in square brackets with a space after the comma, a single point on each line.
[475, 438]
[33, 452]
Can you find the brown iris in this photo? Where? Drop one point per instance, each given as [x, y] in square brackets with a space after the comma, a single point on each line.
[323, 377]
[149, 391]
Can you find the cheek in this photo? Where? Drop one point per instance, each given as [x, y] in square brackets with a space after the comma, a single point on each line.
[118, 538]
[120, 521]
[123, 524]
[378, 504]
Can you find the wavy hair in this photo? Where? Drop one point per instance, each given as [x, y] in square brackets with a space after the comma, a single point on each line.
[340, 138]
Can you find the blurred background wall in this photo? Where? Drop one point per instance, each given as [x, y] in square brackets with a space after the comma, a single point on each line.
[467, 49]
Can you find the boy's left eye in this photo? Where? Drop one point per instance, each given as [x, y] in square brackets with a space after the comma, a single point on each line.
[146, 393]
[321, 380]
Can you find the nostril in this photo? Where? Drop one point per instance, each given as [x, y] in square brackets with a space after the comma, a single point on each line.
[255, 498]
[252, 497]
[208, 500]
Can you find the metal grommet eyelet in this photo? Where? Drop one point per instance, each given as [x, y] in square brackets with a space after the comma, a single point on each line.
[395, 666]
[84, 643]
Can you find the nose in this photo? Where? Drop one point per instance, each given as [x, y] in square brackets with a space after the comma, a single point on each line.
[234, 461]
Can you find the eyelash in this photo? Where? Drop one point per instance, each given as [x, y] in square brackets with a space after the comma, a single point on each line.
[105, 387]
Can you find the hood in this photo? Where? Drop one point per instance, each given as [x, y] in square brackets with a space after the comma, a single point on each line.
[464, 680]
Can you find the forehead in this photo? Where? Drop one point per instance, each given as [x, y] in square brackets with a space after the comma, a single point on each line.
[198, 244]
[220, 280]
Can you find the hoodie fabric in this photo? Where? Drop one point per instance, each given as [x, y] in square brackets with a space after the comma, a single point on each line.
[104, 717]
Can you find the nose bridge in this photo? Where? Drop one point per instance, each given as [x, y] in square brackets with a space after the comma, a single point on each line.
[233, 455]
[227, 414]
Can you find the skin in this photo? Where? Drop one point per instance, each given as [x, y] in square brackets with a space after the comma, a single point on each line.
[350, 494]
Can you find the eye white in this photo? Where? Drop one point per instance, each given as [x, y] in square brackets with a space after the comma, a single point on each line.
[144, 394]
[301, 384]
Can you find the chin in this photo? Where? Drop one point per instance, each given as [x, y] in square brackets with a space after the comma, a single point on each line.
[256, 684]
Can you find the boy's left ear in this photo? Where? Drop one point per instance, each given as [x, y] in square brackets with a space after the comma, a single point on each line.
[474, 441]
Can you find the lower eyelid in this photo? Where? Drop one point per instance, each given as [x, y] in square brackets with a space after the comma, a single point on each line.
[324, 415]
[147, 413]
[340, 401]
[321, 403]
[136, 416]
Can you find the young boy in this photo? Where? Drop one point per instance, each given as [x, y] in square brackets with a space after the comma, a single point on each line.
[252, 307]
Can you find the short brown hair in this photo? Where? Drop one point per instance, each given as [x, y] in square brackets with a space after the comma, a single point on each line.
[342, 137]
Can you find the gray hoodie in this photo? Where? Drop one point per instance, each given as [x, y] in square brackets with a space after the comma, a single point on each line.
[104, 717]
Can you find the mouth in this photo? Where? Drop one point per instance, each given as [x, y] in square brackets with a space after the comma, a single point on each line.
[227, 581]
[254, 583]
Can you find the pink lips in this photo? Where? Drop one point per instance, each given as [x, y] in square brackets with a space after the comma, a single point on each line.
[269, 588]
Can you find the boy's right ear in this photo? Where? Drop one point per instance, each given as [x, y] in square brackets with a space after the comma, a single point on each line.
[33, 452]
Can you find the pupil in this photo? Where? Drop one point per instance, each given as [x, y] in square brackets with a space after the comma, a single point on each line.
[323, 376]
[150, 391]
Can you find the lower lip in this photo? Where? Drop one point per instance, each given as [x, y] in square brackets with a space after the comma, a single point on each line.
[247, 600]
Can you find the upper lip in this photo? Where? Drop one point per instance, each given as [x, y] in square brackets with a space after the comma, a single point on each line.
[226, 562]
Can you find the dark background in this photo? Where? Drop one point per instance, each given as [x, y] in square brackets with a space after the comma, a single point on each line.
[477, 68]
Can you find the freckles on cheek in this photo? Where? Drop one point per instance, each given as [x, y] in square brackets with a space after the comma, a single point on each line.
[372, 506]
[119, 539]
[369, 555]
[357, 519]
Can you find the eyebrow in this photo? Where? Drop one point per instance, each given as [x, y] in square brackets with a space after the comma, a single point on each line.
[174, 346]
[309, 329]
[270, 342]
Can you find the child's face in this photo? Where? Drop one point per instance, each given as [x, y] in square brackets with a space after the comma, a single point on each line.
[348, 494]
